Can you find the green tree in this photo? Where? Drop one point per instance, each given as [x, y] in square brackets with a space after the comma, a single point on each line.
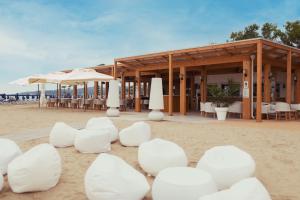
[290, 35]
[249, 32]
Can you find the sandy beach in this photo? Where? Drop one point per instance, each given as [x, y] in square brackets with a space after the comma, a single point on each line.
[273, 144]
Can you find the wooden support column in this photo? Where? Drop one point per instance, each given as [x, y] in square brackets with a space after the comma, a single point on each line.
[170, 85]
[192, 83]
[129, 87]
[106, 89]
[101, 89]
[123, 87]
[137, 91]
[59, 91]
[85, 90]
[289, 78]
[203, 85]
[115, 70]
[75, 91]
[247, 89]
[183, 90]
[96, 89]
[259, 82]
[297, 85]
[145, 88]
[267, 83]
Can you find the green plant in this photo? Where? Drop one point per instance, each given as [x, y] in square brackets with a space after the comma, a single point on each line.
[223, 97]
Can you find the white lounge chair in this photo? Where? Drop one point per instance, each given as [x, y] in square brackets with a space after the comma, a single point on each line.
[209, 108]
[235, 108]
[284, 108]
[202, 110]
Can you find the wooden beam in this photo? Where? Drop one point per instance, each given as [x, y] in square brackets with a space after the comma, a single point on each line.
[138, 91]
[106, 89]
[259, 82]
[197, 49]
[267, 84]
[75, 91]
[123, 87]
[297, 85]
[101, 89]
[182, 90]
[247, 90]
[289, 78]
[199, 62]
[203, 85]
[170, 85]
[96, 90]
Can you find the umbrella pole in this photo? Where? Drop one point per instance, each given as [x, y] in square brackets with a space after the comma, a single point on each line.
[39, 97]
[56, 95]
[84, 95]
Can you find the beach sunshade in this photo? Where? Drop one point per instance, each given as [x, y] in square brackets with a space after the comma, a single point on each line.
[25, 81]
[55, 77]
[80, 76]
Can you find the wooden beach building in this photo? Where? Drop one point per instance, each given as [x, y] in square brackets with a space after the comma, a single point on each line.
[268, 69]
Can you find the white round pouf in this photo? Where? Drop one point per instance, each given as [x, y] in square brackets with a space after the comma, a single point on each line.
[9, 150]
[156, 115]
[62, 135]
[178, 183]
[158, 154]
[227, 165]
[38, 169]
[113, 112]
[111, 178]
[1, 181]
[103, 124]
[135, 134]
[247, 189]
[90, 141]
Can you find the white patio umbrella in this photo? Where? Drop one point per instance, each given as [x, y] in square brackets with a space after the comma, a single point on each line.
[26, 81]
[81, 76]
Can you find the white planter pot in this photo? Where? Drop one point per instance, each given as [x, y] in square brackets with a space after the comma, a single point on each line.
[221, 113]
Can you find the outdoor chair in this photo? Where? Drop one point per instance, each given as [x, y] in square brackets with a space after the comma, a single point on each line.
[145, 103]
[284, 108]
[265, 109]
[122, 105]
[235, 108]
[295, 108]
[202, 108]
[87, 103]
[209, 108]
[74, 103]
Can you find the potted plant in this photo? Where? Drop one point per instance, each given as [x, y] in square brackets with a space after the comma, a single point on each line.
[222, 98]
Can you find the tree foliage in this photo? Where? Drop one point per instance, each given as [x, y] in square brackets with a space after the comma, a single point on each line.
[289, 34]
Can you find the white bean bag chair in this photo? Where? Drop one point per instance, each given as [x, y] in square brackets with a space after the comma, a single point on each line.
[1, 181]
[178, 183]
[62, 135]
[158, 154]
[38, 169]
[227, 165]
[91, 141]
[247, 189]
[111, 178]
[8, 151]
[103, 124]
[135, 134]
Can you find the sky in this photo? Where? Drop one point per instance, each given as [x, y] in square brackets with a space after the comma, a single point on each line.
[39, 36]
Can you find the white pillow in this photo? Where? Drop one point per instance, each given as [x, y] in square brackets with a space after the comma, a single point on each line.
[103, 124]
[111, 178]
[91, 141]
[9, 150]
[135, 134]
[227, 165]
[62, 135]
[38, 169]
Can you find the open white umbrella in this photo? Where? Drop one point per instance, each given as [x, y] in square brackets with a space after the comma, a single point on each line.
[25, 81]
[54, 77]
[81, 76]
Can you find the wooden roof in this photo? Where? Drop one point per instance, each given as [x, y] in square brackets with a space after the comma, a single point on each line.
[215, 54]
